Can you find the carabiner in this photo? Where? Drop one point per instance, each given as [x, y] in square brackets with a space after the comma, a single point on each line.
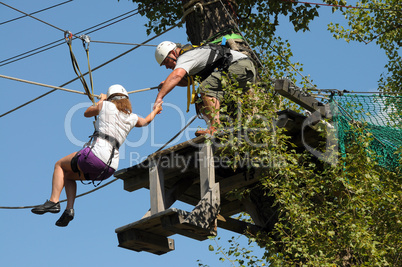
[85, 41]
[68, 36]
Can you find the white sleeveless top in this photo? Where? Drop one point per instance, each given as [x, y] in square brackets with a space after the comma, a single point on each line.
[113, 123]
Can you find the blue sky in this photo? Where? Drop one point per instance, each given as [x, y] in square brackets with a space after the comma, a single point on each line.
[36, 136]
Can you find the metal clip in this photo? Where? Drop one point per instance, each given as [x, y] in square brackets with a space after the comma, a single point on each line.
[68, 36]
[85, 41]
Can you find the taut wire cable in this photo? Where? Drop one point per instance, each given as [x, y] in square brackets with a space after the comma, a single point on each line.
[62, 40]
[32, 17]
[94, 69]
[14, 19]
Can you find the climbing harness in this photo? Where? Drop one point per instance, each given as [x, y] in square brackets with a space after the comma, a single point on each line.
[219, 59]
[90, 144]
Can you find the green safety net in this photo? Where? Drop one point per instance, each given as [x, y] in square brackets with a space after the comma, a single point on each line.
[380, 115]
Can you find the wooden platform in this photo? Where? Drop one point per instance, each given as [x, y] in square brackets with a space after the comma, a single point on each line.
[180, 165]
[193, 173]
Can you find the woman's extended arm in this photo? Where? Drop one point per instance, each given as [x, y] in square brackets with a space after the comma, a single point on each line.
[145, 121]
[94, 110]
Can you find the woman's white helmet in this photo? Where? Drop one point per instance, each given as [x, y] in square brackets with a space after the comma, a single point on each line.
[116, 89]
[163, 50]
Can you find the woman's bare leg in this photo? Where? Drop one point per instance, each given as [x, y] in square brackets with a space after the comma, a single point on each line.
[64, 177]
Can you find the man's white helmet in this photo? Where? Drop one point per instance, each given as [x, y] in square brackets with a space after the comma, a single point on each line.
[163, 50]
[116, 89]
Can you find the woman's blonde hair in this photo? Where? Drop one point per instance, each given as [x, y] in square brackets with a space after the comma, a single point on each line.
[123, 105]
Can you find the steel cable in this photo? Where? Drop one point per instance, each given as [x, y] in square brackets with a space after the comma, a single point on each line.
[14, 19]
[94, 69]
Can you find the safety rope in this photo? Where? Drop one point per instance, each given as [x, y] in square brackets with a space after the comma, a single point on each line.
[69, 37]
[176, 135]
[94, 69]
[142, 90]
[44, 85]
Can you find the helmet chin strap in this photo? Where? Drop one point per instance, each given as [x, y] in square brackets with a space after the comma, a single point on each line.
[175, 60]
[175, 55]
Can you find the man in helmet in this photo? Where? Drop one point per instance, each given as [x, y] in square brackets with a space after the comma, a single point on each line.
[208, 62]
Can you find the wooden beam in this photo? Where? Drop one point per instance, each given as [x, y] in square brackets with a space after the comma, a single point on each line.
[236, 226]
[287, 89]
[207, 169]
[157, 188]
[174, 193]
[138, 240]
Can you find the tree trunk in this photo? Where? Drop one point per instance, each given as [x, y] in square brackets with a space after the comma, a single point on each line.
[207, 20]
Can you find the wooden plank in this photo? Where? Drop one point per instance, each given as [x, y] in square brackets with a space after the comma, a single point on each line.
[138, 240]
[236, 226]
[175, 192]
[157, 188]
[207, 169]
[195, 142]
[229, 208]
[151, 223]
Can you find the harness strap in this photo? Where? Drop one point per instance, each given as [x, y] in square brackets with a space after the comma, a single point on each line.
[190, 95]
[222, 62]
[113, 141]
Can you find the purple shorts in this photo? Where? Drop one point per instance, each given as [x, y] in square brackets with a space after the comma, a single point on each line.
[92, 167]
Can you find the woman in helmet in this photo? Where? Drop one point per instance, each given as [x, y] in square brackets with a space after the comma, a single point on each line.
[100, 158]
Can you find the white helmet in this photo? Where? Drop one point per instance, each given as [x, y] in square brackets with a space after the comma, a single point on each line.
[116, 89]
[163, 50]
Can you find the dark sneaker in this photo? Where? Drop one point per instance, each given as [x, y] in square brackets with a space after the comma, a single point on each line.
[65, 218]
[49, 206]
